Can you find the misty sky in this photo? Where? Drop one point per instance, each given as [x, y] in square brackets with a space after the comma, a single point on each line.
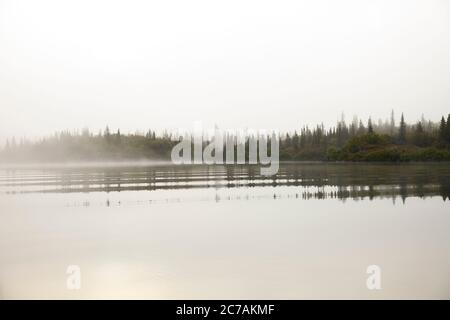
[258, 64]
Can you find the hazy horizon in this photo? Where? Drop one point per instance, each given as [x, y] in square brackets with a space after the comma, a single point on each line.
[141, 65]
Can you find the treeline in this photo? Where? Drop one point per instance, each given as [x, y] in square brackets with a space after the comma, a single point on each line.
[86, 146]
[383, 141]
[355, 141]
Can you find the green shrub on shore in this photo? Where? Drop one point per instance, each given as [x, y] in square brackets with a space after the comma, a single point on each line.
[374, 147]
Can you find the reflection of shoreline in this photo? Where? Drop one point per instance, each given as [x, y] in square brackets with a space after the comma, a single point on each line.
[342, 192]
[342, 195]
[351, 181]
[84, 165]
[168, 163]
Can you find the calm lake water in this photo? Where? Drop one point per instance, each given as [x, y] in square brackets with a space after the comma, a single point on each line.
[211, 232]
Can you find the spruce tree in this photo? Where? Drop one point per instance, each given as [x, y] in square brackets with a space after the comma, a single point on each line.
[107, 132]
[442, 130]
[419, 134]
[361, 128]
[447, 130]
[118, 137]
[370, 126]
[107, 135]
[392, 124]
[402, 131]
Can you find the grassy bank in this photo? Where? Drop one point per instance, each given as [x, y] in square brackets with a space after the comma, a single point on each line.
[374, 147]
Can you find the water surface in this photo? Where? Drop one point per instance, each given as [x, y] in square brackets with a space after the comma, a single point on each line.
[210, 232]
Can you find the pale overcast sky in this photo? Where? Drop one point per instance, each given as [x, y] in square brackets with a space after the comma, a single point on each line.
[258, 64]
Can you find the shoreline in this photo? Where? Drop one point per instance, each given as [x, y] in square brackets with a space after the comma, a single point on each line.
[162, 163]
